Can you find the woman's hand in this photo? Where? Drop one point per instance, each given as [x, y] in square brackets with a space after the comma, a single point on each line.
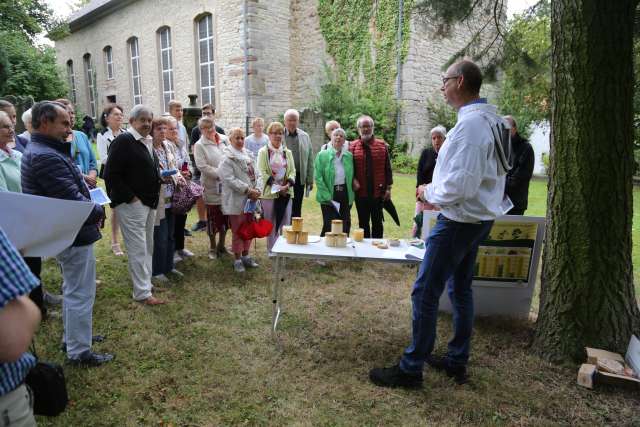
[253, 194]
[356, 185]
[284, 190]
[185, 174]
[180, 181]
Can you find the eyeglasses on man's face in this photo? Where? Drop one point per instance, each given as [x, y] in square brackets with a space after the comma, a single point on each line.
[445, 79]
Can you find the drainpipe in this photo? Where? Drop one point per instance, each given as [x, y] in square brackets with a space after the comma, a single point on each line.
[399, 67]
[247, 105]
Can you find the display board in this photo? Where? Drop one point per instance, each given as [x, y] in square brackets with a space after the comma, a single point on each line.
[506, 267]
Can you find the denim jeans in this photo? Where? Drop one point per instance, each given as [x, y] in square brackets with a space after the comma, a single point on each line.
[449, 259]
[163, 244]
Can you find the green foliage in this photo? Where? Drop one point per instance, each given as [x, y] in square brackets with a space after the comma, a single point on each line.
[404, 163]
[345, 101]
[441, 114]
[361, 37]
[32, 71]
[526, 88]
[26, 17]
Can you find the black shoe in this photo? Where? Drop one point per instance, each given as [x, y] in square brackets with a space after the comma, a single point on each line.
[199, 226]
[187, 233]
[89, 359]
[458, 373]
[94, 339]
[395, 377]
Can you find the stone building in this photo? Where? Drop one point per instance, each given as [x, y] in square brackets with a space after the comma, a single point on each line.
[247, 57]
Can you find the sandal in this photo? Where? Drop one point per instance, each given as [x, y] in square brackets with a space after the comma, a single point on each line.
[117, 251]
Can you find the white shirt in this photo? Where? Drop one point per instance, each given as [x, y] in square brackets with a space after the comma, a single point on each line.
[338, 166]
[466, 185]
[103, 141]
[146, 140]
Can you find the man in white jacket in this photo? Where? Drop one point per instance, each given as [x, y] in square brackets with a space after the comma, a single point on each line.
[467, 187]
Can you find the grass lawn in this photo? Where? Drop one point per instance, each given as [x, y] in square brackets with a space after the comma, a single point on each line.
[207, 358]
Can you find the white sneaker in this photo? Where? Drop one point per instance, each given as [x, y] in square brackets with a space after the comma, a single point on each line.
[177, 258]
[213, 254]
[238, 266]
[160, 278]
[185, 253]
[247, 261]
[177, 273]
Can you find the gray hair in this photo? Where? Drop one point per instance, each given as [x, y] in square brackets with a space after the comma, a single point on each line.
[139, 110]
[511, 120]
[292, 112]
[45, 111]
[363, 118]
[170, 118]
[26, 116]
[338, 131]
[439, 129]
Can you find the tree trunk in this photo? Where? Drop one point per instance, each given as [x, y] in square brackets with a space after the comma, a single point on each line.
[587, 296]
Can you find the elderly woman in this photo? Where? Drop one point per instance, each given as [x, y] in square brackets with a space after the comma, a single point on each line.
[334, 177]
[9, 158]
[183, 162]
[426, 166]
[81, 150]
[238, 185]
[208, 153]
[277, 174]
[111, 121]
[163, 240]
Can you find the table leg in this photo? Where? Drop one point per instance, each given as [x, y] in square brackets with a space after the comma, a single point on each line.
[278, 276]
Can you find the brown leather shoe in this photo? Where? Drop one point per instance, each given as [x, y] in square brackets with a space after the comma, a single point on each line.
[153, 301]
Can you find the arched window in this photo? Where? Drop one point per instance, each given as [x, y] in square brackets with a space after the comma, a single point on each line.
[166, 67]
[71, 76]
[204, 28]
[136, 81]
[91, 83]
[108, 61]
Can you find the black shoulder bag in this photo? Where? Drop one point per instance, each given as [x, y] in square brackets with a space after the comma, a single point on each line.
[47, 383]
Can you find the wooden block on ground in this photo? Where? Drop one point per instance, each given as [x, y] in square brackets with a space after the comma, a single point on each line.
[586, 374]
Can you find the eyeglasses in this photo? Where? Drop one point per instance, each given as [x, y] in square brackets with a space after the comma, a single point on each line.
[8, 127]
[447, 78]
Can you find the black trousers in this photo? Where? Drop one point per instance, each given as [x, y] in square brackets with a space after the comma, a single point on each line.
[329, 212]
[298, 196]
[516, 211]
[37, 294]
[178, 231]
[370, 209]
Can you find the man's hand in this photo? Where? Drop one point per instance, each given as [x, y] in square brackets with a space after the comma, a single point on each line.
[356, 185]
[420, 192]
[310, 187]
[90, 180]
[387, 194]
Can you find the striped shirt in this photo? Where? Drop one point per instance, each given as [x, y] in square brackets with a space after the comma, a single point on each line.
[15, 280]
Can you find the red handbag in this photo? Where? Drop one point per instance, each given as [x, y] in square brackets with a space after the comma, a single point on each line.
[255, 229]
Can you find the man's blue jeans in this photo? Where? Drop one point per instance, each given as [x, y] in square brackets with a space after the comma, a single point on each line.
[450, 258]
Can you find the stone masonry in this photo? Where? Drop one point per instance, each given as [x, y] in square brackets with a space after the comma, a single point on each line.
[286, 57]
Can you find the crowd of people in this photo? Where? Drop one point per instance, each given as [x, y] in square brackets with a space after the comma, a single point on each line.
[145, 165]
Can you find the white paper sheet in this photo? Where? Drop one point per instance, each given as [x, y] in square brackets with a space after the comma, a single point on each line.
[99, 196]
[336, 205]
[41, 226]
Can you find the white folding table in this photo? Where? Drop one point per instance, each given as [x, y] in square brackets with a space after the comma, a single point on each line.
[317, 250]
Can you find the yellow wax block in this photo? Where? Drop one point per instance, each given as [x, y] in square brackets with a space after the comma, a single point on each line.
[341, 240]
[358, 234]
[330, 240]
[296, 223]
[303, 237]
[291, 236]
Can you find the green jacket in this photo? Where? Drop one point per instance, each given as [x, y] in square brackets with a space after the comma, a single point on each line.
[264, 172]
[325, 174]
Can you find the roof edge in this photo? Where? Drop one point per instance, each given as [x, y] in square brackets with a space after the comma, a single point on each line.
[94, 11]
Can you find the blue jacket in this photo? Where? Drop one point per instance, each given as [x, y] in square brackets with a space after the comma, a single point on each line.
[48, 170]
[82, 153]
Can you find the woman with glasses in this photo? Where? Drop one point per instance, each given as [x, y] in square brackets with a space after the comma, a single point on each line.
[111, 121]
[277, 173]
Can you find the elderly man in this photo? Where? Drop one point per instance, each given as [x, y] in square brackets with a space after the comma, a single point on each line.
[373, 177]
[299, 143]
[467, 186]
[209, 112]
[133, 183]
[518, 178]
[48, 170]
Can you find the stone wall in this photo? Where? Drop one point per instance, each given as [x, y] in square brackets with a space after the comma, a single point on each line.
[422, 77]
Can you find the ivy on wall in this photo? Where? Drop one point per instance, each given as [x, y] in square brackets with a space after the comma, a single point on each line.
[361, 37]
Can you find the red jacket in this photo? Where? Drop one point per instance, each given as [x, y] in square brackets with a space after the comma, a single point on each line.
[380, 163]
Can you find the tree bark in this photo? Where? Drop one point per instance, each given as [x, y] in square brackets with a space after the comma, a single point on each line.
[587, 291]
